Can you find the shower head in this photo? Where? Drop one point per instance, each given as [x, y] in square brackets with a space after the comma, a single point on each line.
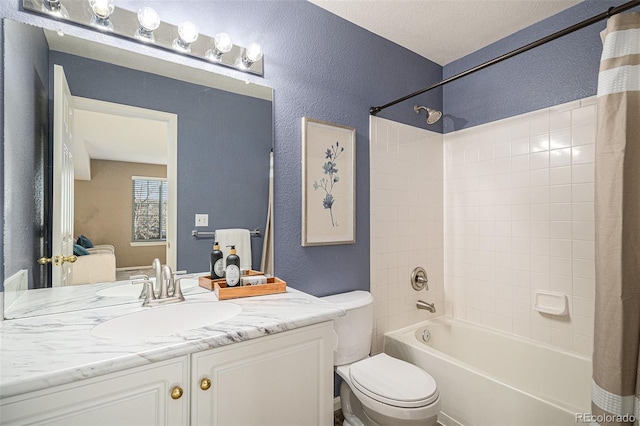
[433, 115]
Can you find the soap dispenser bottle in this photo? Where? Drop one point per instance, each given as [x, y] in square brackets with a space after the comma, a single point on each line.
[233, 268]
[217, 262]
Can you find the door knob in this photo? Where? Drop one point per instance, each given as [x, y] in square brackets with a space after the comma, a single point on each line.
[57, 260]
[70, 259]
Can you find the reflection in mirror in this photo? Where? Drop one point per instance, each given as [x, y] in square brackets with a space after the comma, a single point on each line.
[133, 122]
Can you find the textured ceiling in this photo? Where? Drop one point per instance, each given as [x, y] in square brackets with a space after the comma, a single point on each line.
[444, 30]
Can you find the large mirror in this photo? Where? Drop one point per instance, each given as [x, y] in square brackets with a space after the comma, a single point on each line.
[153, 144]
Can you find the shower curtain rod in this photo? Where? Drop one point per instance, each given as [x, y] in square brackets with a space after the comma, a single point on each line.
[604, 15]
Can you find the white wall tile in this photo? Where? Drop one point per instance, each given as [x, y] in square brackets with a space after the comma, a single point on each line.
[583, 211]
[583, 344]
[560, 157]
[583, 116]
[539, 160]
[560, 139]
[539, 177]
[583, 135]
[583, 173]
[583, 154]
[559, 175]
[559, 119]
[523, 220]
[582, 192]
[520, 146]
[407, 200]
[539, 143]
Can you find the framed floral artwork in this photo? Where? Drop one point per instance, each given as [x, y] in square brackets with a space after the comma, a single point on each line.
[328, 183]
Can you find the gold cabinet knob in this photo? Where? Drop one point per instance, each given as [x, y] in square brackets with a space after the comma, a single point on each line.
[205, 384]
[176, 393]
[44, 260]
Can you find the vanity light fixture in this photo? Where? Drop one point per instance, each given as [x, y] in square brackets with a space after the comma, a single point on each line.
[187, 34]
[221, 44]
[252, 53]
[149, 21]
[102, 10]
[145, 26]
[55, 8]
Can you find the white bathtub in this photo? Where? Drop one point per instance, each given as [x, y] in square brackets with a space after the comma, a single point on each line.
[486, 377]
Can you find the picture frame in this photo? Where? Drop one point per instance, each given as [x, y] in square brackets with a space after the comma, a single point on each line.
[328, 183]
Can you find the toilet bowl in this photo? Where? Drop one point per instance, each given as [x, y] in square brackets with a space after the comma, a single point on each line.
[377, 390]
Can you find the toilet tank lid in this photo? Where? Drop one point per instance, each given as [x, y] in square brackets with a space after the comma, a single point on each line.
[351, 299]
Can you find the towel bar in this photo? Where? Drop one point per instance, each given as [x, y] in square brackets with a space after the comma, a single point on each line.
[212, 234]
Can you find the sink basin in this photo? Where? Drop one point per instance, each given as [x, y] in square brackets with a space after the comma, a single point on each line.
[133, 290]
[166, 320]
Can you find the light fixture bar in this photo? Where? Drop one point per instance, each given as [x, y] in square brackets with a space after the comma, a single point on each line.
[125, 23]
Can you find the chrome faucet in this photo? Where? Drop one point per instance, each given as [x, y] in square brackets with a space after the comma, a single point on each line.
[431, 307]
[167, 287]
[157, 269]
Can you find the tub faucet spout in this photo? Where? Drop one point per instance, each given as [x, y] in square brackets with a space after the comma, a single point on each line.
[431, 307]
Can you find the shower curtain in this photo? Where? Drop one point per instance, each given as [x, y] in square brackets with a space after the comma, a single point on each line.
[616, 373]
[266, 263]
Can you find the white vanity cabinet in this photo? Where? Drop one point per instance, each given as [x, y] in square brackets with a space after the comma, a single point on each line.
[283, 379]
[150, 395]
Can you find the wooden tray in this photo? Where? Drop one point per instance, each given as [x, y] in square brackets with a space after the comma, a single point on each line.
[207, 282]
[273, 285]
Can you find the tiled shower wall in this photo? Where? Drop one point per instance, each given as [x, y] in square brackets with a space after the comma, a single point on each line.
[519, 218]
[406, 222]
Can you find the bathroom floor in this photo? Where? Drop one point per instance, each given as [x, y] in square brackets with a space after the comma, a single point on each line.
[338, 418]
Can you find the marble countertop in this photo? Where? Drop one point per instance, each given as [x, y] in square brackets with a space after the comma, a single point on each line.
[54, 349]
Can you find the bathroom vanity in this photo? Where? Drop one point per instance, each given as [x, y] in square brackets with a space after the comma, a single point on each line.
[270, 364]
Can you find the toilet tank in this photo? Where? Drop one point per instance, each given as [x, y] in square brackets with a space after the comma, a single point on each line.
[354, 330]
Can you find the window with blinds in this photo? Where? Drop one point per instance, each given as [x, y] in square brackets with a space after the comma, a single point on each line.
[149, 209]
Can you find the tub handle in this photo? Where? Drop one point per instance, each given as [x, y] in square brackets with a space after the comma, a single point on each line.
[419, 279]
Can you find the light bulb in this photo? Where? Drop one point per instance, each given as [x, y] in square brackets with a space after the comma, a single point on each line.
[221, 44]
[102, 9]
[252, 54]
[149, 19]
[187, 34]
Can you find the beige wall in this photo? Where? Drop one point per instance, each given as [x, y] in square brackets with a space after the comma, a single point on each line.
[103, 209]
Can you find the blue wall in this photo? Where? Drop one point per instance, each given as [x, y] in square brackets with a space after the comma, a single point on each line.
[560, 71]
[26, 60]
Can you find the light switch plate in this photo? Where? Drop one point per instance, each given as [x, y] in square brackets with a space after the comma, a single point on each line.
[202, 219]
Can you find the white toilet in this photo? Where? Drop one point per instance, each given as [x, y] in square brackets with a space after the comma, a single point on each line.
[378, 390]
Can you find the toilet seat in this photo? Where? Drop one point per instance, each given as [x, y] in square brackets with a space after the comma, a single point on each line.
[393, 382]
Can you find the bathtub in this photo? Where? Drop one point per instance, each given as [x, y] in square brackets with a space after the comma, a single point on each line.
[486, 377]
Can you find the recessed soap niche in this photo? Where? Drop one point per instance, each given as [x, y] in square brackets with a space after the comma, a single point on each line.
[551, 303]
